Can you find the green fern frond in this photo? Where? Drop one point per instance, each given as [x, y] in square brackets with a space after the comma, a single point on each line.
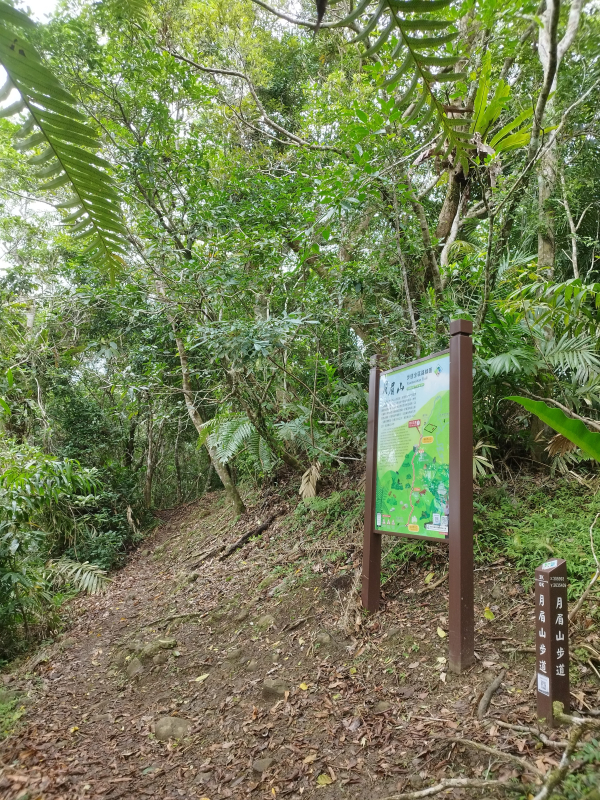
[420, 54]
[230, 435]
[68, 141]
[85, 577]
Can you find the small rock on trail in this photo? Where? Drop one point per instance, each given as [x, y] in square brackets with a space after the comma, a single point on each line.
[262, 764]
[153, 648]
[274, 688]
[265, 621]
[171, 728]
[134, 668]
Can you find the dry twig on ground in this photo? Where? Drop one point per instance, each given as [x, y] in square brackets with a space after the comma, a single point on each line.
[493, 751]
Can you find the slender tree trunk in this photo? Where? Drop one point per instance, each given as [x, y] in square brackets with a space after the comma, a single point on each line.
[220, 468]
[572, 227]
[208, 480]
[409, 305]
[547, 176]
[177, 463]
[150, 459]
[456, 183]
[255, 416]
[551, 52]
[130, 447]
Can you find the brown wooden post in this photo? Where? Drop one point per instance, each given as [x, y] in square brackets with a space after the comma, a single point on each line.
[371, 573]
[460, 523]
[552, 637]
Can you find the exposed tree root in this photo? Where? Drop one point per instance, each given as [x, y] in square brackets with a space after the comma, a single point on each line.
[456, 783]
[523, 763]
[433, 585]
[254, 532]
[206, 555]
[485, 701]
[581, 726]
[556, 745]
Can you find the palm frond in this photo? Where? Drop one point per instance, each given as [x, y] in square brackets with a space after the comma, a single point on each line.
[559, 445]
[414, 55]
[577, 354]
[64, 142]
[295, 431]
[518, 359]
[85, 577]
[261, 451]
[308, 484]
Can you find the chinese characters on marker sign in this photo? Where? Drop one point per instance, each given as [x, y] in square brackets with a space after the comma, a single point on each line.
[552, 636]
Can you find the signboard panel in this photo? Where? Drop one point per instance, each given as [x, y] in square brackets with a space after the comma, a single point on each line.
[413, 445]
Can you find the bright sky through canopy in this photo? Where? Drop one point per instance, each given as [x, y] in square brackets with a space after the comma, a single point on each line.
[39, 9]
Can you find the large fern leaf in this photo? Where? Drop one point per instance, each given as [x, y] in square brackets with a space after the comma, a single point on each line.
[85, 577]
[415, 56]
[65, 142]
[577, 354]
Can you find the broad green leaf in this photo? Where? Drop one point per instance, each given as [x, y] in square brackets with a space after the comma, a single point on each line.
[572, 429]
[511, 126]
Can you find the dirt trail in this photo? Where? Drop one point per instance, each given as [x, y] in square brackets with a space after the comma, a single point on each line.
[268, 694]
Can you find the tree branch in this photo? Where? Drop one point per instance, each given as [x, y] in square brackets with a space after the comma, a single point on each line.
[265, 117]
[531, 768]
[294, 20]
[548, 54]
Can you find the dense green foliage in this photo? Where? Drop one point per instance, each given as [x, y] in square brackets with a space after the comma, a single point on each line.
[292, 205]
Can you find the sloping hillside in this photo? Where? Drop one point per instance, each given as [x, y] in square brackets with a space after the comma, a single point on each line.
[256, 674]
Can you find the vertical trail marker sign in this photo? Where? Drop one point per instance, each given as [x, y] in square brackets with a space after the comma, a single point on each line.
[552, 638]
[420, 472]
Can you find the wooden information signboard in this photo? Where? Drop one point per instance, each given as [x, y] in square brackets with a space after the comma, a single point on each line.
[552, 637]
[420, 472]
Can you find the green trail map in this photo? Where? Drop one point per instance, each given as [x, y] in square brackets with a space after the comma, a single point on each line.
[413, 449]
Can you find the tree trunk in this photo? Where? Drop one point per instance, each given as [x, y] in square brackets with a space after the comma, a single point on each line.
[188, 394]
[220, 468]
[130, 446]
[551, 53]
[547, 176]
[572, 226]
[178, 464]
[150, 460]
[456, 182]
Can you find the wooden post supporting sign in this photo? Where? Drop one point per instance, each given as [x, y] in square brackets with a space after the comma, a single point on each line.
[419, 480]
[461, 613]
[371, 576]
[552, 637]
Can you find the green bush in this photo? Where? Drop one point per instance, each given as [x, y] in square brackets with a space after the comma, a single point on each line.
[538, 522]
[44, 507]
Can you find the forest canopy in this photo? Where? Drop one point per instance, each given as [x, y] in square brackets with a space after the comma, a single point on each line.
[212, 216]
